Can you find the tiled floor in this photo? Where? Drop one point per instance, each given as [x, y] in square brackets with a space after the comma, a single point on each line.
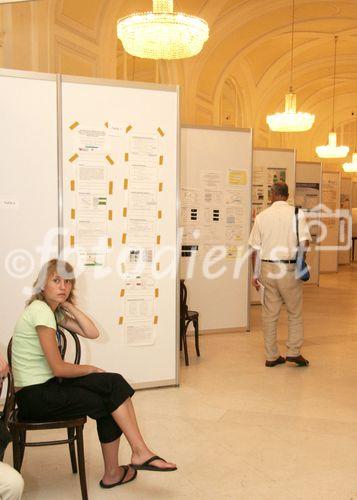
[239, 430]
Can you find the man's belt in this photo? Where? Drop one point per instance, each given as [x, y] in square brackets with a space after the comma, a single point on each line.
[281, 261]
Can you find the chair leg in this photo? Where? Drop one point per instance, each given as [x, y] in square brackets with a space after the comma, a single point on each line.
[16, 450]
[72, 449]
[81, 462]
[22, 436]
[196, 337]
[184, 341]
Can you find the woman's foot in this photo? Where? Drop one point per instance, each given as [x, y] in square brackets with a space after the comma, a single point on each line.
[144, 461]
[124, 474]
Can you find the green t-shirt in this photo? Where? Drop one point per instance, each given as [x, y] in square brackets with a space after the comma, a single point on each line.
[29, 364]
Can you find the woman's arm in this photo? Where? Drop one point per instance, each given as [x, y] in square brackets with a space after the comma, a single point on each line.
[80, 323]
[59, 367]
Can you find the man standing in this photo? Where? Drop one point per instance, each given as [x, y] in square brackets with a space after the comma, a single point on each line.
[273, 241]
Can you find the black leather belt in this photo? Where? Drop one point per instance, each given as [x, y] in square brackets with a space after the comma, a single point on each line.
[281, 261]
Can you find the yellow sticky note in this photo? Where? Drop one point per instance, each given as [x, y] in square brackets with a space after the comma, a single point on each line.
[109, 160]
[237, 177]
[128, 128]
[158, 266]
[73, 158]
[73, 185]
[72, 241]
[158, 239]
[122, 292]
[126, 183]
[159, 214]
[156, 320]
[74, 125]
[161, 187]
[125, 212]
[161, 160]
[73, 213]
[106, 124]
[110, 243]
[126, 157]
[121, 320]
[156, 292]
[123, 240]
[111, 187]
[110, 215]
[161, 132]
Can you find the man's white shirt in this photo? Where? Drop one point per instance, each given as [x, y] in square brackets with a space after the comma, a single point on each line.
[274, 232]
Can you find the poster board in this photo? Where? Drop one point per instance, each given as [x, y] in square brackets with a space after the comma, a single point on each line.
[120, 168]
[270, 165]
[308, 179]
[216, 168]
[345, 236]
[28, 187]
[331, 204]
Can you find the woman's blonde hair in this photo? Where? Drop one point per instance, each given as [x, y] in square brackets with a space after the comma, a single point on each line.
[54, 266]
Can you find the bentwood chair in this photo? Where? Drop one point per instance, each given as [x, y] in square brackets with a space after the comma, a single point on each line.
[19, 428]
[186, 317]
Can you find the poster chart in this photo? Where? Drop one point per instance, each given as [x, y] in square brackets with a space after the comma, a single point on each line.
[270, 166]
[308, 192]
[215, 219]
[29, 187]
[119, 216]
[345, 238]
[330, 220]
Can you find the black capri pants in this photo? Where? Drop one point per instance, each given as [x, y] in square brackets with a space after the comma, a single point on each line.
[96, 395]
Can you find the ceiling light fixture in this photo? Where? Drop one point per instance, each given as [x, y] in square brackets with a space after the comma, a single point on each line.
[352, 167]
[162, 33]
[331, 150]
[290, 120]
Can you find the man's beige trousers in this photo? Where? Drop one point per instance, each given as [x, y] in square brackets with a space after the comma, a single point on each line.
[281, 286]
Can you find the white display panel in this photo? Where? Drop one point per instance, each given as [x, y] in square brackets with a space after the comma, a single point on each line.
[344, 255]
[215, 201]
[269, 164]
[308, 197]
[28, 187]
[331, 200]
[120, 186]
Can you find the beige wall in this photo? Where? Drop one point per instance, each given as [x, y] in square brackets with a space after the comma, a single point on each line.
[249, 47]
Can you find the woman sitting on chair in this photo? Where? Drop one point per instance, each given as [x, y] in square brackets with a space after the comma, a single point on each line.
[48, 388]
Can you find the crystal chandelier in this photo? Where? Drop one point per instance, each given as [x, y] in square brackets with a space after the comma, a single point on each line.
[162, 33]
[290, 120]
[352, 167]
[331, 150]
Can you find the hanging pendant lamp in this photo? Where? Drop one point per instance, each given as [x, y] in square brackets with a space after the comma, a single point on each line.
[352, 167]
[290, 120]
[162, 33]
[331, 150]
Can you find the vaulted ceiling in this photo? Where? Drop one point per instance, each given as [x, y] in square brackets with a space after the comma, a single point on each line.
[250, 44]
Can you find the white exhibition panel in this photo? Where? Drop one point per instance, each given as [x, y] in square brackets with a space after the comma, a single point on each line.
[308, 196]
[265, 162]
[217, 156]
[29, 189]
[344, 255]
[127, 113]
[331, 204]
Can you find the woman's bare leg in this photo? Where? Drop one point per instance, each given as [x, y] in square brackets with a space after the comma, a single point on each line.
[112, 471]
[125, 417]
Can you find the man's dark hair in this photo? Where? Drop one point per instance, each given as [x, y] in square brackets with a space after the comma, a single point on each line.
[280, 189]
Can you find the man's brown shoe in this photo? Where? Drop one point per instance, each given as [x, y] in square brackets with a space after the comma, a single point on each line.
[279, 361]
[298, 360]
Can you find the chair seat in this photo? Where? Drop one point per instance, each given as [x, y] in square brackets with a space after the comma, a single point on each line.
[54, 424]
[192, 314]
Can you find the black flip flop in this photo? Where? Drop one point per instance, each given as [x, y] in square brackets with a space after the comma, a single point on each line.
[146, 465]
[119, 483]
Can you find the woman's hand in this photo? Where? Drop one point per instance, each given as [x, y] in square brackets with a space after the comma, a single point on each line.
[97, 370]
[78, 322]
[4, 368]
